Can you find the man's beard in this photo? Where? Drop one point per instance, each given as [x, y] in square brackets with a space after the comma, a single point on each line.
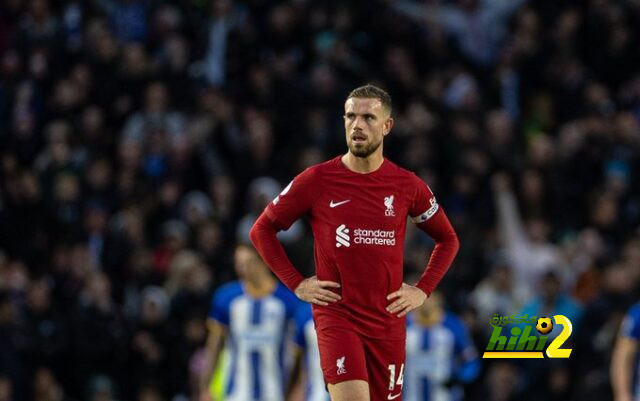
[364, 151]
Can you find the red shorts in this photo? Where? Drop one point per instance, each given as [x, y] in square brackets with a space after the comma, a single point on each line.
[347, 355]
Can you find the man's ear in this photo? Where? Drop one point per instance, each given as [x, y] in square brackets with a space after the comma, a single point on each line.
[387, 126]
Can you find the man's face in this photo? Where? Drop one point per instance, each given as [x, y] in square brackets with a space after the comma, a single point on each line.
[366, 122]
[247, 262]
[242, 261]
[551, 287]
[431, 311]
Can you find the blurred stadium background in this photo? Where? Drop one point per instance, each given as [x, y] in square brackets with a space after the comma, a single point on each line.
[140, 139]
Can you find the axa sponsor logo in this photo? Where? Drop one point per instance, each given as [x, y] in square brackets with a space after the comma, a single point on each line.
[363, 236]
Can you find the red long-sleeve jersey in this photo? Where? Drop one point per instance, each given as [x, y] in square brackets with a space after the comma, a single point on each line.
[358, 222]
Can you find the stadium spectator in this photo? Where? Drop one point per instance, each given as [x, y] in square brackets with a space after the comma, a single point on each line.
[6, 389]
[526, 245]
[497, 294]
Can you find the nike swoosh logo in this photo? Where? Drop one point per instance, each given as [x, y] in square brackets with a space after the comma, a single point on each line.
[332, 204]
[393, 397]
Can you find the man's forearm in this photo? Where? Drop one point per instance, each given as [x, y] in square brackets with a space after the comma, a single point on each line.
[213, 349]
[263, 235]
[510, 223]
[295, 375]
[207, 372]
[621, 367]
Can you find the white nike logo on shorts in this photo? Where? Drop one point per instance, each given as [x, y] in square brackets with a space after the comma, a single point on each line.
[332, 205]
[393, 397]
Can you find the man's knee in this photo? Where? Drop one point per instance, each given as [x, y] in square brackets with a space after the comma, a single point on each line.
[351, 390]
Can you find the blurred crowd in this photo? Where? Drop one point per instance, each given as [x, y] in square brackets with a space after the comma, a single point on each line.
[140, 139]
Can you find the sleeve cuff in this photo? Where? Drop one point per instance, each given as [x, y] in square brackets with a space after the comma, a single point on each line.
[294, 283]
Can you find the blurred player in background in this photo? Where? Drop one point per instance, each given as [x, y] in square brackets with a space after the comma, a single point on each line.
[358, 204]
[252, 315]
[440, 354]
[307, 357]
[625, 365]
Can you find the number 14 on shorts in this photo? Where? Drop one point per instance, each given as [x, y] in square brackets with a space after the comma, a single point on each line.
[392, 376]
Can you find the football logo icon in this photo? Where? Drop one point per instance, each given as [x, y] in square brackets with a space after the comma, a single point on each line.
[544, 325]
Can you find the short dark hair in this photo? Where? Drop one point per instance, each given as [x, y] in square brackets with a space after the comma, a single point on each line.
[372, 91]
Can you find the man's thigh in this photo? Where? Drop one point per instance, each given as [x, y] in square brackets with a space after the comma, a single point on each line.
[351, 390]
[342, 355]
[385, 368]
